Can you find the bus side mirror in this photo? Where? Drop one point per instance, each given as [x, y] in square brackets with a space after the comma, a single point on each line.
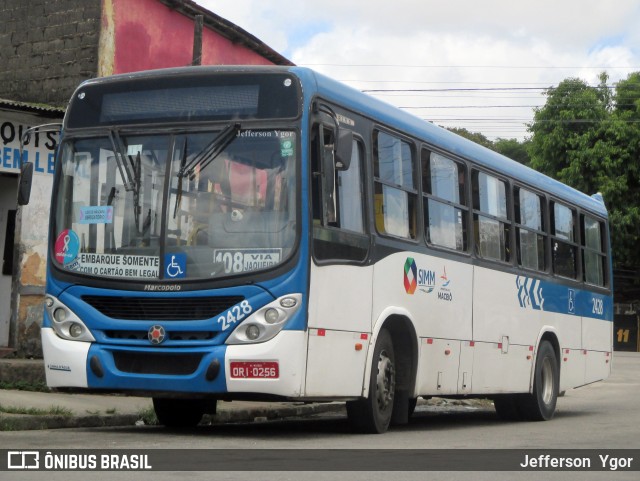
[343, 149]
[24, 188]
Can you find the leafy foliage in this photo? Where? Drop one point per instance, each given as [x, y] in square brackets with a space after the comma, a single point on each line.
[509, 147]
[589, 138]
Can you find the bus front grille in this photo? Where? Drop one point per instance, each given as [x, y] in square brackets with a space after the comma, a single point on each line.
[185, 336]
[161, 309]
[157, 363]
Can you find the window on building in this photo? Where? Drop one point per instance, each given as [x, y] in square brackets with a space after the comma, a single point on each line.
[395, 190]
[490, 217]
[565, 248]
[530, 235]
[443, 184]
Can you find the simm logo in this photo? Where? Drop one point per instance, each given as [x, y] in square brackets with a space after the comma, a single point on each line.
[418, 278]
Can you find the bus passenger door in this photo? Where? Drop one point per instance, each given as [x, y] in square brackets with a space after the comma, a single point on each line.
[340, 284]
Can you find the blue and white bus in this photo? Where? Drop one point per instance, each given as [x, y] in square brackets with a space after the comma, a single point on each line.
[229, 233]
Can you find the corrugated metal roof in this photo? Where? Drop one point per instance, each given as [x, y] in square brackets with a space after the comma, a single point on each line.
[40, 109]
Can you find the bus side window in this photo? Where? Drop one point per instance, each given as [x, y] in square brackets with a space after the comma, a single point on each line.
[564, 245]
[350, 193]
[530, 235]
[395, 190]
[593, 251]
[445, 205]
[490, 217]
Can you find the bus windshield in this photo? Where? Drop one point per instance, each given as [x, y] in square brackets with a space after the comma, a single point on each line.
[199, 205]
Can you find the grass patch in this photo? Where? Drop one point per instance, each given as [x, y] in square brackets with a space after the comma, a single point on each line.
[51, 411]
[148, 416]
[36, 386]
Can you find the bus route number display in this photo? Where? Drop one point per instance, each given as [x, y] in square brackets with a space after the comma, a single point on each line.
[244, 260]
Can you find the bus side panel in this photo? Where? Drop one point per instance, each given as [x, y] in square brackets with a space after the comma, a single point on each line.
[597, 366]
[597, 336]
[339, 329]
[438, 368]
[340, 297]
[572, 368]
[499, 312]
[498, 368]
[336, 362]
[436, 291]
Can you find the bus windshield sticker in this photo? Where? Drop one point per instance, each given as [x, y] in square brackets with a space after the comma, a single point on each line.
[67, 247]
[100, 214]
[117, 265]
[175, 265]
[243, 260]
[286, 148]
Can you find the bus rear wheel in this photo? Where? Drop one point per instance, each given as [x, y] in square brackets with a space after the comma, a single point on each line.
[179, 413]
[373, 414]
[540, 405]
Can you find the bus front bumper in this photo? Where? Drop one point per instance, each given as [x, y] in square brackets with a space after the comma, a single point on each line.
[204, 370]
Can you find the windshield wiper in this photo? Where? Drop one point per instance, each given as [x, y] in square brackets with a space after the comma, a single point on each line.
[130, 171]
[183, 161]
[210, 152]
[121, 156]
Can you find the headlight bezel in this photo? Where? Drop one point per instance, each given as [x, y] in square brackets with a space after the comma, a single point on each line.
[69, 323]
[263, 319]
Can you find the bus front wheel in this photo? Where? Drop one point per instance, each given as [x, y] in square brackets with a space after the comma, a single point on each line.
[179, 413]
[373, 414]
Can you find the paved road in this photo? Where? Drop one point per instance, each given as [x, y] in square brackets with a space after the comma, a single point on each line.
[602, 416]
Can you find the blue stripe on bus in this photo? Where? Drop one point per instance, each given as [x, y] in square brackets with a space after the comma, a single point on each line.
[547, 296]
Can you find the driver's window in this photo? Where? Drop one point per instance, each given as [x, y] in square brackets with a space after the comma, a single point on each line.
[337, 200]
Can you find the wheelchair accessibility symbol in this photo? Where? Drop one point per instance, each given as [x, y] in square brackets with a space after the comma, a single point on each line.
[175, 265]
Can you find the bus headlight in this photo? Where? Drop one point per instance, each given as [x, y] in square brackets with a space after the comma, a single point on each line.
[265, 323]
[65, 323]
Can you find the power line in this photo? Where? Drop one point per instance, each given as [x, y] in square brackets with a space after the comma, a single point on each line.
[540, 67]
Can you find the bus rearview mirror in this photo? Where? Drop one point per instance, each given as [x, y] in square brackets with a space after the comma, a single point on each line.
[343, 149]
[24, 188]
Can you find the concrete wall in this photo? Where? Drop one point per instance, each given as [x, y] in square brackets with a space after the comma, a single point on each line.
[47, 47]
[30, 244]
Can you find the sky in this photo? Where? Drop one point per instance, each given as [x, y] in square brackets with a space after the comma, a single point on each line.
[479, 65]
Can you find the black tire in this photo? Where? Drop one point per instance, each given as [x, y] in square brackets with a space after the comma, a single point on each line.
[540, 405]
[373, 414]
[179, 413]
[507, 407]
[413, 402]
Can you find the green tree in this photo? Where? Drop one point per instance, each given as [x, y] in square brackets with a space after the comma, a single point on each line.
[589, 138]
[508, 147]
[513, 149]
[476, 137]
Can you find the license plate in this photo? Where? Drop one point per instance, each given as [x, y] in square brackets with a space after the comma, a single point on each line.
[254, 370]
